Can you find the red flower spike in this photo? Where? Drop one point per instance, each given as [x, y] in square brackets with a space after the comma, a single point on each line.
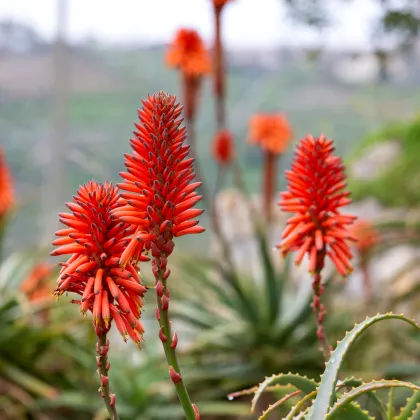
[159, 182]
[315, 193]
[96, 242]
[223, 147]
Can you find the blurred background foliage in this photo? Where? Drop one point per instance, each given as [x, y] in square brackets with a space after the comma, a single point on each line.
[232, 333]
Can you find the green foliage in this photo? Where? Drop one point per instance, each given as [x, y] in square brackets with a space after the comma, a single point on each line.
[399, 183]
[333, 399]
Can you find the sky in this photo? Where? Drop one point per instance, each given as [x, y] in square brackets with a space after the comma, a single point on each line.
[247, 23]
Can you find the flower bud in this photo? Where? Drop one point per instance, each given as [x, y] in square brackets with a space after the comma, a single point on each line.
[175, 377]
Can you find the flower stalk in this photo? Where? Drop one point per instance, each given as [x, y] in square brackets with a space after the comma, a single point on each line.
[169, 339]
[102, 348]
[269, 185]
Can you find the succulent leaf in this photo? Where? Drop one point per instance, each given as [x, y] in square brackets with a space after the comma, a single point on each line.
[326, 390]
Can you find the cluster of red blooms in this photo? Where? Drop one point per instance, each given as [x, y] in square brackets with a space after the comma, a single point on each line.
[316, 183]
[6, 186]
[159, 188]
[95, 241]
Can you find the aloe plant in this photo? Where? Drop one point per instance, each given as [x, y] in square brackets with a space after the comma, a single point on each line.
[242, 328]
[333, 398]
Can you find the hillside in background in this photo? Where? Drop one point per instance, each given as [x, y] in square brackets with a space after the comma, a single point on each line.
[107, 85]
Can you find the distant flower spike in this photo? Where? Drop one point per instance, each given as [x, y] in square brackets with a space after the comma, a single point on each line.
[188, 53]
[316, 183]
[223, 147]
[272, 132]
[95, 240]
[6, 186]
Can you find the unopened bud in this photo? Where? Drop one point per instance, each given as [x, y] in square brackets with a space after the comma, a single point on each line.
[104, 380]
[155, 250]
[174, 341]
[320, 333]
[159, 288]
[167, 273]
[162, 336]
[197, 413]
[98, 361]
[163, 263]
[112, 400]
[175, 377]
[165, 303]
[108, 365]
[157, 314]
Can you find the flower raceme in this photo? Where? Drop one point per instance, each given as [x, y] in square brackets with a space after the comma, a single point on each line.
[223, 147]
[316, 183]
[270, 131]
[159, 192]
[6, 186]
[95, 241]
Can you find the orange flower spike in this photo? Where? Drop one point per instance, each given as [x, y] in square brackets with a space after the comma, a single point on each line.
[316, 183]
[95, 242]
[366, 236]
[223, 147]
[188, 53]
[160, 182]
[272, 132]
[220, 3]
[7, 197]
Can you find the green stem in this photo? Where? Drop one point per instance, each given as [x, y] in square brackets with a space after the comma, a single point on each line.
[102, 370]
[170, 353]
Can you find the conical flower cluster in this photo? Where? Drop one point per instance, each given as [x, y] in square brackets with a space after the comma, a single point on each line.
[95, 241]
[159, 186]
[316, 192]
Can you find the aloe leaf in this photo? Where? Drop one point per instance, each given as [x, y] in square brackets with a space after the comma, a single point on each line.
[353, 412]
[295, 409]
[326, 390]
[302, 383]
[353, 383]
[341, 405]
[411, 405]
[277, 404]
[254, 389]
[416, 414]
[29, 382]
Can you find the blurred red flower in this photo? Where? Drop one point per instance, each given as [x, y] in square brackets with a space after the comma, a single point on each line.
[188, 53]
[6, 186]
[36, 285]
[272, 132]
[95, 240]
[316, 183]
[366, 236]
[223, 147]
